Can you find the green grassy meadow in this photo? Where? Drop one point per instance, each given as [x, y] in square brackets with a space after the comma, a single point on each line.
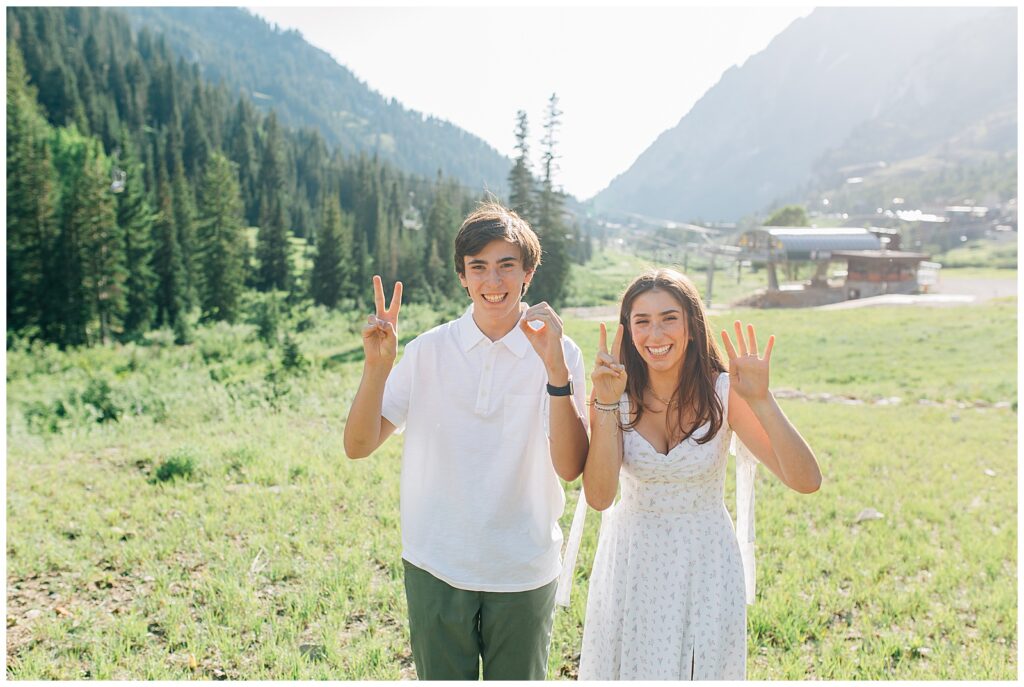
[982, 254]
[607, 275]
[179, 512]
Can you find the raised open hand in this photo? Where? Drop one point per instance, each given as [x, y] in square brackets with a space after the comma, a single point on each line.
[380, 333]
[747, 371]
[609, 375]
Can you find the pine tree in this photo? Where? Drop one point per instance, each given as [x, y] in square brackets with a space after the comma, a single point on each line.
[90, 249]
[170, 273]
[440, 237]
[163, 95]
[393, 219]
[183, 204]
[549, 282]
[219, 241]
[196, 150]
[243, 151]
[362, 265]
[272, 245]
[435, 267]
[185, 226]
[310, 174]
[520, 179]
[31, 207]
[135, 217]
[68, 298]
[103, 242]
[331, 272]
[367, 217]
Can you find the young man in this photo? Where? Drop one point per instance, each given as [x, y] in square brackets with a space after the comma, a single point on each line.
[490, 425]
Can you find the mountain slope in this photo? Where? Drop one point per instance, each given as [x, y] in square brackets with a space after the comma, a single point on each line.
[307, 87]
[760, 133]
[953, 115]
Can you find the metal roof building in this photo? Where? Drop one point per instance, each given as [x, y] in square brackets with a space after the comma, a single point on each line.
[783, 244]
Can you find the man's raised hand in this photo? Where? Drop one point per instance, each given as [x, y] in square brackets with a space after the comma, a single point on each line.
[380, 333]
[547, 339]
[609, 375]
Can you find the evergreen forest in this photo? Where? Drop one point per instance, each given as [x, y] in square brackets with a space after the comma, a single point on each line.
[142, 196]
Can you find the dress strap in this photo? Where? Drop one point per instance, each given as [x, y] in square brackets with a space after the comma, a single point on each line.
[746, 471]
[572, 548]
[572, 544]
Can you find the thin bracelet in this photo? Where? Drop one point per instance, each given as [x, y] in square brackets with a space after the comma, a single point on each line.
[605, 406]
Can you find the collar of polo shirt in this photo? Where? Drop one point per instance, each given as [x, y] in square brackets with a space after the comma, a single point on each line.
[470, 335]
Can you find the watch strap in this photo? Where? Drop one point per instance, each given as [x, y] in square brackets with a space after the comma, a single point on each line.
[560, 390]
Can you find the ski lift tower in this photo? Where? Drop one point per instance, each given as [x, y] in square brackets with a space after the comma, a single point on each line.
[712, 250]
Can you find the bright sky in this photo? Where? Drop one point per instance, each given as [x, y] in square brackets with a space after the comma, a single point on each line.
[622, 75]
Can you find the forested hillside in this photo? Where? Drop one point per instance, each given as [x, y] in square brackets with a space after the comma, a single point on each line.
[131, 182]
[306, 87]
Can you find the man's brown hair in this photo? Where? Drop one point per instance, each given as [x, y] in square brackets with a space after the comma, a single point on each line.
[493, 221]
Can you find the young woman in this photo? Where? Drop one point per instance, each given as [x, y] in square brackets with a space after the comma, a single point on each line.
[667, 591]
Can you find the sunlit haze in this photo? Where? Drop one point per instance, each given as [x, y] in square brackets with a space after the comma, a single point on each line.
[622, 75]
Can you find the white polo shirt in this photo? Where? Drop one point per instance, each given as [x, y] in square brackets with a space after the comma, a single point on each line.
[480, 499]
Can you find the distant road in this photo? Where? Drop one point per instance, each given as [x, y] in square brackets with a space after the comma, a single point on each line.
[982, 289]
[949, 291]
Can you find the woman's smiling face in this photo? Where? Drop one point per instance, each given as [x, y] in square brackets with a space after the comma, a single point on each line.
[659, 329]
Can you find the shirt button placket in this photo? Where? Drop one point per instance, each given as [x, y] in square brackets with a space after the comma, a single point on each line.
[483, 393]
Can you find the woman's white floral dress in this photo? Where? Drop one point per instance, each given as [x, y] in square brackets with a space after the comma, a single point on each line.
[667, 594]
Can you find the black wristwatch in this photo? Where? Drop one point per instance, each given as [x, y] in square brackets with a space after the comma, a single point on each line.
[561, 390]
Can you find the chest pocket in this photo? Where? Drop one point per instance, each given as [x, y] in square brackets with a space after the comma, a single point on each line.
[521, 416]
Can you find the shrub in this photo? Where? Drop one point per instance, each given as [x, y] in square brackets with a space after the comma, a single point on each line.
[44, 418]
[182, 332]
[277, 387]
[99, 395]
[292, 359]
[267, 317]
[180, 464]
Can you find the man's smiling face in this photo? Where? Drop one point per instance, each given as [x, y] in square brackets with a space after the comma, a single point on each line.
[495, 278]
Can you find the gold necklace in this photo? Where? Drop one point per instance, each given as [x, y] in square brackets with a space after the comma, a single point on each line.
[664, 402]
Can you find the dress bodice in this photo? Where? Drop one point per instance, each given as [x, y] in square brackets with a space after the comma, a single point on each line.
[687, 479]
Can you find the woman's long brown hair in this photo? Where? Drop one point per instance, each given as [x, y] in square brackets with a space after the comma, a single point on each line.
[696, 388]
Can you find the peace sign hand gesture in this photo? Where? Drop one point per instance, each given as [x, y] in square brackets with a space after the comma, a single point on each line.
[380, 333]
[747, 371]
[609, 375]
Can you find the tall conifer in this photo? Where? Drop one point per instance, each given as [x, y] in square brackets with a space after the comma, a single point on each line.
[102, 242]
[135, 217]
[196, 149]
[242, 149]
[219, 241]
[331, 275]
[520, 179]
[549, 282]
[90, 250]
[167, 265]
[31, 206]
[272, 245]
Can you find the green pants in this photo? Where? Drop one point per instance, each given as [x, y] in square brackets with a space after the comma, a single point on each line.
[453, 629]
